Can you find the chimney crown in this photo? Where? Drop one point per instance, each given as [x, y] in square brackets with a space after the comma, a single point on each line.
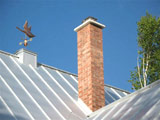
[89, 20]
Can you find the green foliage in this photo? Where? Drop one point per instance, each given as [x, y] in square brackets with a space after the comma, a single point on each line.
[134, 81]
[149, 52]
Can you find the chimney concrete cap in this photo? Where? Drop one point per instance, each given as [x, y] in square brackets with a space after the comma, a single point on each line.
[87, 21]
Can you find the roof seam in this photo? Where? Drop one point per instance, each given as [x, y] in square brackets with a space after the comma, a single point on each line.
[8, 108]
[38, 89]
[126, 97]
[22, 86]
[51, 67]
[16, 97]
[50, 88]
[74, 101]
[66, 81]
[60, 70]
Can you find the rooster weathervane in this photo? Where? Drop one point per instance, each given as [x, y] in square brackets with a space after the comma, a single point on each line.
[27, 31]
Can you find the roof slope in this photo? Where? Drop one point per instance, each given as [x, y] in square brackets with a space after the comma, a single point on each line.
[41, 93]
[143, 104]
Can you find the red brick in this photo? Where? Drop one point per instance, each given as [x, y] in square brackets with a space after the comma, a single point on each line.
[90, 66]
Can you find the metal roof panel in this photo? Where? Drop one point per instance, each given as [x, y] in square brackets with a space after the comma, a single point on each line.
[49, 93]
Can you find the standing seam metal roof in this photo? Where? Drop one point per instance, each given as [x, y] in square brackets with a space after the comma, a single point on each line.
[41, 93]
[143, 104]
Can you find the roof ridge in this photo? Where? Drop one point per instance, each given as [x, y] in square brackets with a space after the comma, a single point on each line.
[51, 67]
[9, 54]
[117, 88]
[13, 55]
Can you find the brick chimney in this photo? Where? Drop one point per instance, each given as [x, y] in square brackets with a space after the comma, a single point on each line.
[90, 63]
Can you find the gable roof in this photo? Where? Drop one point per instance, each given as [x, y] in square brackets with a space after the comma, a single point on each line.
[42, 93]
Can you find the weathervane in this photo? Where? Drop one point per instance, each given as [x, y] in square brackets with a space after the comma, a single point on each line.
[27, 31]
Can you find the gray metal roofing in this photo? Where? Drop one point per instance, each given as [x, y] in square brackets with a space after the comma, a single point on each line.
[143, 104]
[41, 93]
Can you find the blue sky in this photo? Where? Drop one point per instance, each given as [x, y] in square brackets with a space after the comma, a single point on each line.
[55, 43]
